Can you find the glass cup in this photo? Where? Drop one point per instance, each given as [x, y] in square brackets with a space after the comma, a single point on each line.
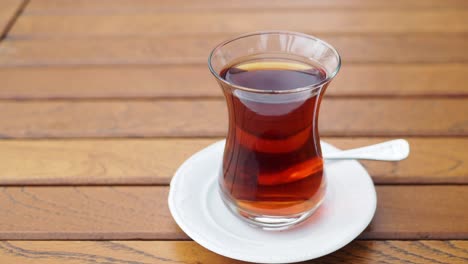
[272, 173]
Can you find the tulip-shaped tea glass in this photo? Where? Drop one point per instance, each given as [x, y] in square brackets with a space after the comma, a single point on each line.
[272, 173]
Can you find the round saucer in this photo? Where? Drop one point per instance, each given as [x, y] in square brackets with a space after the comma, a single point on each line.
[196, 206]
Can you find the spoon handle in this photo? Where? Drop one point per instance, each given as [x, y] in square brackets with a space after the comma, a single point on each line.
[392, 150]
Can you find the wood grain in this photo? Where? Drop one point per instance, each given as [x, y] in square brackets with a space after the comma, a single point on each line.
[395, 48]
[208, 22]
[164, 81]
[140, 212]
[154, 161]
[120, 68]
[86, 213]
[8, 9]
[208, 118]
[143, 6]
[128, 161]
[404, 211]
[143, 252]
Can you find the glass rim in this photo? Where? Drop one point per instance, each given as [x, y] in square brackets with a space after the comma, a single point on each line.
[284, 32]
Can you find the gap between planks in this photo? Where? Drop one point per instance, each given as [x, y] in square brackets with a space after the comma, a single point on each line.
[10, 10]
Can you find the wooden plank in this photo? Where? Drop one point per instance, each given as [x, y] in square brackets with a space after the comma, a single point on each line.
[8, 9]
[139, 252]
[154, 161]
[193, 118]
[163, 81]
[106, 213]
[208, 22]
[127, 6]
[417, 48]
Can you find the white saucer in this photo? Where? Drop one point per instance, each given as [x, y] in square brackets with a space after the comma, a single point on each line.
[196, 206]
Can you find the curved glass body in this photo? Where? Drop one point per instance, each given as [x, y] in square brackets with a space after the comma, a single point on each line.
[273, 174]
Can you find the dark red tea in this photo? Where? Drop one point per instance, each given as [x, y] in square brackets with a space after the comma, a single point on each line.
[272, 162]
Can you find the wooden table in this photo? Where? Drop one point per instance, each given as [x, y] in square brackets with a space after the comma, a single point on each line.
[100, 102]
